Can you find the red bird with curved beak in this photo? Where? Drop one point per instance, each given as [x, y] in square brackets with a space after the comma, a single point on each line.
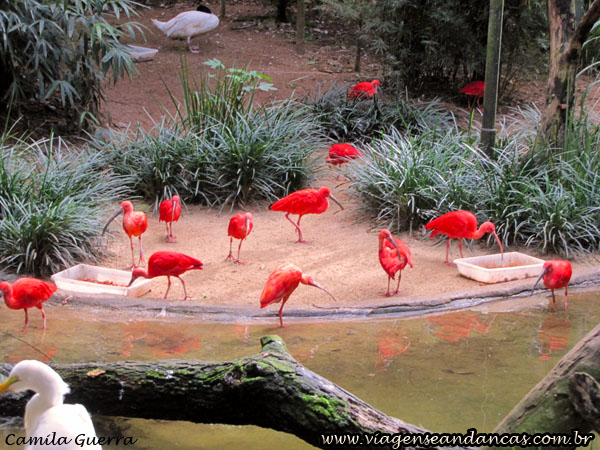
[167, 264]
[364, 89]
[134, 224]
[556, 274]
[342, 153]
[281, 283]
[394, 255]
[27, 293]
[461, 225]
[474, 89]
[169, 212]
[240, 227]
[305, 201]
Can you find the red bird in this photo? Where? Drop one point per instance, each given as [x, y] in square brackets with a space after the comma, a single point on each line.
[281, 283]
[556, 274]
[27, 293]
[305, 201]
[365, 89]
[393, 256]
[134, 224]
[461, 225]
[167, 264]
[170, 210]
[474, 89]
[240, 227]
[342, 153]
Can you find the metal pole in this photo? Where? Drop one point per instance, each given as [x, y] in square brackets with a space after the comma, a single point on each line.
[492, 70]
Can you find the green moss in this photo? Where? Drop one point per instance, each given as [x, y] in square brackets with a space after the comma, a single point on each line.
[325, 406]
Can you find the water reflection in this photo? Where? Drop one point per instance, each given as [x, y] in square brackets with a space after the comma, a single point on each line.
[453, 327]
[553, 336]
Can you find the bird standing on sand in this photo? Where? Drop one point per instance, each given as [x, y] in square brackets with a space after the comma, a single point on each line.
[342, 153]
[169, 212]
[240, 227]
[461, 225]
[281, 283]
[556, 274]
[167, 264]
[363, 90]
[305, 201]
[189, 24]
[134, 224]
[394, 255]
[27, 293]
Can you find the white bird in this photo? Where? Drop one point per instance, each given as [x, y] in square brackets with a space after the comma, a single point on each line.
[46, 413]
[189, 24]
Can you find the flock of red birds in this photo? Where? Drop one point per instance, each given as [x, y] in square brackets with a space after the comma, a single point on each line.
[394, 254]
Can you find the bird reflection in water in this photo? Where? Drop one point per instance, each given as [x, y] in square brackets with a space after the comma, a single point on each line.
[459, 325]
[390, 343]
[553, 335]
[163, 342]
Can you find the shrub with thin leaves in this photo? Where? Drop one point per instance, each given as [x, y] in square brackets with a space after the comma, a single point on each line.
[52, 205]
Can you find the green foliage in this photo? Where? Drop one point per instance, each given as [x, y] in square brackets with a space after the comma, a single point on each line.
[52, 205]
[62, 50]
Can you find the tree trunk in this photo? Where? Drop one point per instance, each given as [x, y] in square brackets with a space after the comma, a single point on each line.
[358, 53]
[300, 23]
[282, 11]
[566, 41]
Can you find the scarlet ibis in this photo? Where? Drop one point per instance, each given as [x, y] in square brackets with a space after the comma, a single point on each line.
[240, 227]
[461, 225]
[167, 264]
[342, 153]
[281, 283]
[134, 224]
[365, 89]
[393, 256]
[27, 293]
[474, 89]
[556, 274]
[305, 201]
[170, 210]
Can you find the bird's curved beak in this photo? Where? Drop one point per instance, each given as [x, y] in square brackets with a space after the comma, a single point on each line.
[335, 200]
[132, 280]
[11, 380]
[544, 272]
[389, 238]
[317, 285]
[499, 245]
[120, 211]
[247, 225]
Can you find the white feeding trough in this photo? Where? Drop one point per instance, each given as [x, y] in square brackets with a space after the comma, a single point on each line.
[494, 269]
[141, 54]
[84, 279]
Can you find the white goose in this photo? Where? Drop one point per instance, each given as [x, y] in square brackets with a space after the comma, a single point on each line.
[188, 24]
[46, 413]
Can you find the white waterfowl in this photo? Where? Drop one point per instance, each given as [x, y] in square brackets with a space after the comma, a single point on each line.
[55, 424]
[189, 24]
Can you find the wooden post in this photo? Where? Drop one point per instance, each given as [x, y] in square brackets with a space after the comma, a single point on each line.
[222, 9]
[492, 70]
[300, 27]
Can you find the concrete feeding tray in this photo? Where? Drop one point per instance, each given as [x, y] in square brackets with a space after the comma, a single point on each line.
[492, 269]
[141, 54]
[94, 280]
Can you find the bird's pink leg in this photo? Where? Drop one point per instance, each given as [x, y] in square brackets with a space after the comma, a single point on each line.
[142, 260]
[133, 266]
[447, 250]
[566, 298]
[398, 285]
[281, 309]
[26, 316]
[186, 296]
[168, 287]
[171, 237]
[387, 294]
[192, 49]
[230, 256]
[238, 258]
[168, 234]
[43, 315]
[553, 298]
[287, 216]
[460, 242]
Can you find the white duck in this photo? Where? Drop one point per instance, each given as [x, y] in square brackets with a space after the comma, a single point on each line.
[188, 24]
[46, 413]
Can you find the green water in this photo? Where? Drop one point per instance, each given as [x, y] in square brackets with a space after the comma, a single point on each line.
[422, 369]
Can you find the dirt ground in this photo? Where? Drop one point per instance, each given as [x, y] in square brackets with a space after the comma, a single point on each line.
[341, 253]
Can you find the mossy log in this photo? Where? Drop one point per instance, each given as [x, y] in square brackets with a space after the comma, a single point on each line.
[269, 389]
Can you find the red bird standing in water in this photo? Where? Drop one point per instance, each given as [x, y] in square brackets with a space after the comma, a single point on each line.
[474, 89]
[281, 283]
[342, 153]
[27, 293]
[240, 227]
[170, 210]
[167, 264]
[461, 225]
[134, 224]
[364, 89]
[394, 255]
[305, 201]
[556, 274]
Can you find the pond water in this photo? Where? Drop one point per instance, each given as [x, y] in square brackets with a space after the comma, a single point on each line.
[421, 369]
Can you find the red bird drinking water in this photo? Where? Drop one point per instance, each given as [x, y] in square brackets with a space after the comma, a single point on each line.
[281, 283]
[240, 227]
[556, 274]
[461, 225]
[363, 90]
[342, 153]
[305, 201]
[134, 224]
[169, 212]
[167, 264]
[27, 293]
[394, 255]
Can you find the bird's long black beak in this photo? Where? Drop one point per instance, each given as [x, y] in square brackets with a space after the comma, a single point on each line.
[544, 272]
[391, 239]
[120, 211]
[335, 200]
